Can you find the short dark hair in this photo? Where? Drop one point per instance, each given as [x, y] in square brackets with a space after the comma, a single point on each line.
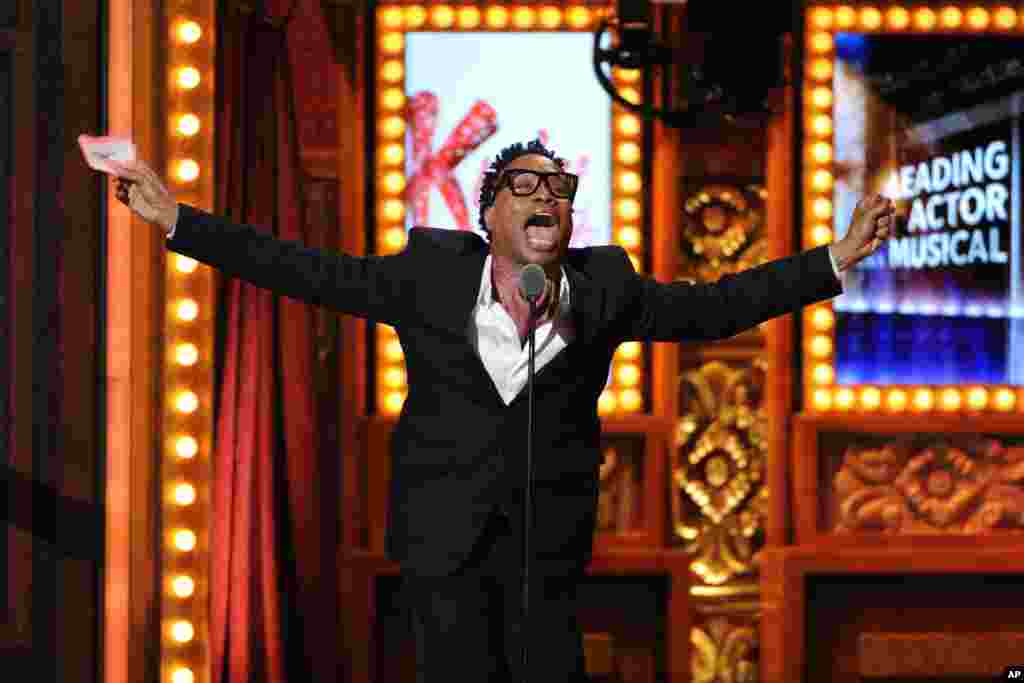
[489, 186]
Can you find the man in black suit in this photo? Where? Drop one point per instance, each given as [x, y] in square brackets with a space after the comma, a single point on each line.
[458, 462]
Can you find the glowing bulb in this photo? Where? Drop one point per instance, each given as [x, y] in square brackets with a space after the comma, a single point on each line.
[821, 69]
[628, 124]
[821, 18]
[188, 125]
[871, 398]
[821, 234]
[550, 17]
[187, 170]
[821, 180]
[629, 182]
[844, 398]
[183, 586]
[186, 402]
[821, 346]
[924, 399]
[628, 209]
[977, 18]
[184, 540]
[1005, 18]
[469, 17]
[415, 16]
[1005, 399]
[393, 154]
[392, 71]
[391, 18]
[184, 264]
[184, 494]
[821, 42]
[186, 354]
[628, 152]
[393, 350]
[186, 447]
[497, 17]
[821, 97]
[524, 17]
[845, 17]
[628, 375]
[629, 350]
[822, 318]
[578, 17]
[187, 310]
[897, 400]
[822, 152]
[391, 43]
[394, 378]
[898, 18]
[637, 266]
[394, 239]
[393, 98]
[870, 18]
[823, 373]
[189, 32]
[182, 631]
[628, 75]
[822, 125]
[950, 399]
[188, 77]
[951, 17]
[606, 403]
[631, 95]
[925, 18]
[183, 675]
[977, 398]
[823, 208]
[628, 237]
[822, 399]
[442, 16]
[630, 400]
[394, 182]
[392, 127]
[393, 402]
[393, 210]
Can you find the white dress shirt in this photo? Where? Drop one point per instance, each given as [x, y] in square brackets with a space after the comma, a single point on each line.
[496, 339]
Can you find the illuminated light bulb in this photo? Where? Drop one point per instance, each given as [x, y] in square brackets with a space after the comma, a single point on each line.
[630, 400]
[628, 124]
[187, 310]
[821, 125]
[629, 182]
[183, 675]
[469, 17]
[821, 69]
[821, 42]
[497, 17]
[627, 375]
[951, 17]
[392, 127]
[550, 17]
[977, 398]
[950, 399]
[823, 318]
[630, 350]
[1005, 18]
[821, 180]
[394, 239]
[391, 18]
[637, 266]
[628, 152]
[524, 17]
[394, 378]
[631, 95]
[186, 402]
[184, 494]
[823, 373]
[821, 152]
[628, 209]
[392, 98]
[394, 182]
[188, 125]
[442, 16]
[844, 398]
[393, 350]
[392, 210]
[607, 403]
[1005, 399]
[897, 18]
[628, 237]
[627, 75]
[184, 264]
[183, 586]
[870, 398]
[821, 18]
[821, 346]
[188, 77]
[977, 18]
[187, 170]
[188, 32]
[186, 447]
[392, 43]
[393, 402]
[578, 17]
[821, 97]
[845, 17]
[896, 400]
[186, 354]
[822, 399]
[924, 399]
[823, 208]
[392, 71]
[821, 234]
[393, 154]
[182, 631]
[870, 18]
[415, 16]
[184, 540]
[925, 19]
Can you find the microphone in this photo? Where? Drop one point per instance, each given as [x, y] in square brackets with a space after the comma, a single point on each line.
[531, 283]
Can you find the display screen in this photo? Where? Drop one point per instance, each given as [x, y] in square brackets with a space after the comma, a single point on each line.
[471, 94]
[932, 122]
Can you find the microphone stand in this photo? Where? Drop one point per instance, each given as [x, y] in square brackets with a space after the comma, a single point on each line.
[528, 494]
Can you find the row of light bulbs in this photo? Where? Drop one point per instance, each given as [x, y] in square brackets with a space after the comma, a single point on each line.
[899, 18]
[496, 17]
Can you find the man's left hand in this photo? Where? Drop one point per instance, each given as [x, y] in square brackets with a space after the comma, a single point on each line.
[874, 220]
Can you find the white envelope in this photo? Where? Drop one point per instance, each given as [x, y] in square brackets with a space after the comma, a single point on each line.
[97, 150]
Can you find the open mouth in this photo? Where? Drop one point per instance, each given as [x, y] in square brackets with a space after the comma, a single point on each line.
[544, 220]
[542, 231]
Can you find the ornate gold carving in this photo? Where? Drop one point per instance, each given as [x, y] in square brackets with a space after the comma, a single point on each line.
[948, 485]
[719, 507]
[722, 231]
[724, 652]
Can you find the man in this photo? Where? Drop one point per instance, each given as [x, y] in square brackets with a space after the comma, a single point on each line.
[458, 462]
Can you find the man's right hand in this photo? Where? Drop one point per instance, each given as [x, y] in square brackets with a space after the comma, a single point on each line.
[141, 190]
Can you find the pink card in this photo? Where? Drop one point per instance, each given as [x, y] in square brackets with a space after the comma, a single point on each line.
[97, 150]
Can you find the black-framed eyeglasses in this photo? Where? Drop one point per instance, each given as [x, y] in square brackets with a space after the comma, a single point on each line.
[524, 182]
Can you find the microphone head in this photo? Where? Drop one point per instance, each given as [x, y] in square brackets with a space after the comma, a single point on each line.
[531, 282]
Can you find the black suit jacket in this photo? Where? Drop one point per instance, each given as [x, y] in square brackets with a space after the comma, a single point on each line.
[457, 448]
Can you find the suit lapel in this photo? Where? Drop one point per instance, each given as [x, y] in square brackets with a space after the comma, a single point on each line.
[587, 301]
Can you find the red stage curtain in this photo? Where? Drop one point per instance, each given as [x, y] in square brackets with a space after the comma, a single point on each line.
[273, 599]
